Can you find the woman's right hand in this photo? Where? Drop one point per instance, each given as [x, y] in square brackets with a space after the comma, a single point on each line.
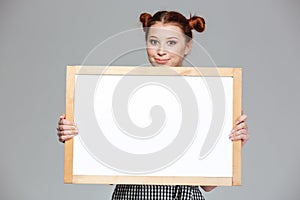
[65, 129]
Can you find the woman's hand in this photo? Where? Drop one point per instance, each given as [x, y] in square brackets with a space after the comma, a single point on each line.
[240, 131]
[65, 129]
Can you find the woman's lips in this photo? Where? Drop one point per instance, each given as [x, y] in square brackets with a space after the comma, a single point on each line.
[161, 61]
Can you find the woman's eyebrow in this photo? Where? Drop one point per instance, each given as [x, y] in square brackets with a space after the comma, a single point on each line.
[173, 37]
[153, 36]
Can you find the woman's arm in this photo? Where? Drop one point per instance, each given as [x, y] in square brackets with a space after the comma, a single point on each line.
[239, 132]
[208, 188]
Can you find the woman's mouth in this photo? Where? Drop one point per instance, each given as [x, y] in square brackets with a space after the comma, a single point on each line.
[161, 61]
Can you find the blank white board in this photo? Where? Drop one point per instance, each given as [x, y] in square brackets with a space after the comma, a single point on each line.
[156, 126]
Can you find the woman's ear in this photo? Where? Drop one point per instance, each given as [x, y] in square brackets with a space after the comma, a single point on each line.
[188, 47]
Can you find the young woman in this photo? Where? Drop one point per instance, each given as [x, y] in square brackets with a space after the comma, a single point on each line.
[168, 37]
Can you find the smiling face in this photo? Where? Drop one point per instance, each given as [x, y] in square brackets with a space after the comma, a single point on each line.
[167, 45]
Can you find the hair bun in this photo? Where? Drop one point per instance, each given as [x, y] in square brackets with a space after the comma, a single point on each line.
[197, 23]
[145, 18]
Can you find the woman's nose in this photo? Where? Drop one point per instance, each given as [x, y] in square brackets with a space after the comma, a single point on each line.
[161, 51]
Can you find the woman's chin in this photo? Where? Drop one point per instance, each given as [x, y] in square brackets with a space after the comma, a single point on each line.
[167, 64]
[161, 65]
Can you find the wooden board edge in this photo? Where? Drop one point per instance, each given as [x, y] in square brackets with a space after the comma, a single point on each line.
[139, 70]
[68, 154]
[153, 180]
[237, 111]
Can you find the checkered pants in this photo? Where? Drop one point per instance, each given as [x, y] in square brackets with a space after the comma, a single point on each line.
[157, 192]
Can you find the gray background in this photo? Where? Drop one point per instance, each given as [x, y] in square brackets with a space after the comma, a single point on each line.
[39, 38]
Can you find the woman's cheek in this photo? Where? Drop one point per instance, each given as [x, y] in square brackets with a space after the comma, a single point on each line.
[177, 59]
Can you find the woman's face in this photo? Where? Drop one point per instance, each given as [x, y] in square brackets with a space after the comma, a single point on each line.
[166, 45]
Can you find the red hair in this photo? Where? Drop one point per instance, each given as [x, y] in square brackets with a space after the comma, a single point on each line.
[186, 25]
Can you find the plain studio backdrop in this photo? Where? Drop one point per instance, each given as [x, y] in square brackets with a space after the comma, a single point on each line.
[39, 38]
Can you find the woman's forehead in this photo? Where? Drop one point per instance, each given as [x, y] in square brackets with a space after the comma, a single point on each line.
[167, 30]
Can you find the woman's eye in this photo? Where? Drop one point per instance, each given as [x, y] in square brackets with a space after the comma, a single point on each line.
[153, 42]
[171, 42]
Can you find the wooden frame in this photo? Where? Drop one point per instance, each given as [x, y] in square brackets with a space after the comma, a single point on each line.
[235, 73]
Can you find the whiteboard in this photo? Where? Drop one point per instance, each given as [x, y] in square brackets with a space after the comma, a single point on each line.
[144, 125]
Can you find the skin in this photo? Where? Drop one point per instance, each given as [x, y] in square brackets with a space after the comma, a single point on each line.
[166, 46]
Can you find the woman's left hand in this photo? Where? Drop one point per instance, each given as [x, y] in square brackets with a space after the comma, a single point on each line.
[240, 131]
